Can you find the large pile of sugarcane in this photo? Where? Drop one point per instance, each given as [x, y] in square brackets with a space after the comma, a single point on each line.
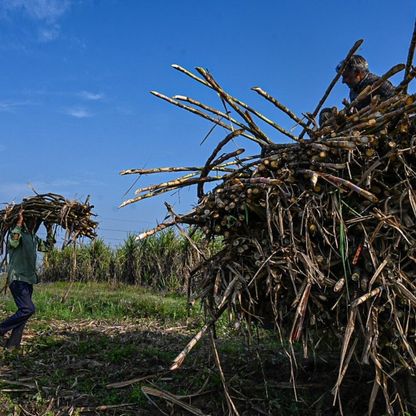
[319, 235]
[73, 216]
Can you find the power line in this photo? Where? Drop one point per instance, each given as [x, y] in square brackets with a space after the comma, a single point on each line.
[112, 229]
[123, 220]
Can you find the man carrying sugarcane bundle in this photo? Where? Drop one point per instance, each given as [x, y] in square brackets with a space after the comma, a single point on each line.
[357, 77]
[22, 246]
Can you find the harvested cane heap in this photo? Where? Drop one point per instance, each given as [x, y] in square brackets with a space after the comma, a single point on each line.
[319, 235]
[73, 216]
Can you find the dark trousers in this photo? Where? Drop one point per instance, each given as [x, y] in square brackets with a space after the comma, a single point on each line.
[22, 295]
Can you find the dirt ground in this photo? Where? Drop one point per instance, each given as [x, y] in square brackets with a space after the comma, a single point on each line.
[98, 367]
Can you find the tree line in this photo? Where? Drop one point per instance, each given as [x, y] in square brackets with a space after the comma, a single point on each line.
[162, 261]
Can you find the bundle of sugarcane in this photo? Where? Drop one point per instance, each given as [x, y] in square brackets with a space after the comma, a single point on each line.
[319, 235]
[73, 216]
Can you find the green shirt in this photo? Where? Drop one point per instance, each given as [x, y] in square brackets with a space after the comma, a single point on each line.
[22, 255]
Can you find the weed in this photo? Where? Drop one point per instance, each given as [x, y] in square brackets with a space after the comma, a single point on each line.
[87, 347]
[113, 398]
[232, 347]
[137, 396]
[6, 405]
[121, 352]
[155, 353]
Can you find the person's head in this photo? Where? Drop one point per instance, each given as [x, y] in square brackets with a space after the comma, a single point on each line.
[324, 115]
[32, 224]
[354, 71]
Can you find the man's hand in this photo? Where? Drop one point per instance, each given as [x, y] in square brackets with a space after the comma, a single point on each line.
[15, 236]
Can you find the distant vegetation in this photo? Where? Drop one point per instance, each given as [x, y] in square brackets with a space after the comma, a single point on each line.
[162, 261]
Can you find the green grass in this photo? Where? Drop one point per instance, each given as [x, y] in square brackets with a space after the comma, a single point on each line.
[121, 353]
[7, 406]
[156, 353]
[102, 301]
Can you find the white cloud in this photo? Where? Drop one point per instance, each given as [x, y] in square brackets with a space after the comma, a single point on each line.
[11, 105]
[91, 95]
[78, 112]
[46, 10]
[49, 34]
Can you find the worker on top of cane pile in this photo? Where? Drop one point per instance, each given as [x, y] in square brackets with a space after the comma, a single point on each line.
[357, 77]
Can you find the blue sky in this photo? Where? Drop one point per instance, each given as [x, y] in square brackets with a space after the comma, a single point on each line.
[75, 107]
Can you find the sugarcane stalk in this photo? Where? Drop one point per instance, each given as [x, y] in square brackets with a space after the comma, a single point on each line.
[221, 167]
[371, 111]
[231, 406]
[396, 112]
[190, 74]
[296, 331]
[409, 59]
[318, 146]
[225, 96]
[210, 109]
[240, 103]
[336, 166]
[155, 230]
[178, 361]
[369, 295]
[216, 164]
[281, 107]
[173, 183]
[410, 77]
[337, 181]
[166, 396]
[265, 181]
[341, 144]
[160, 170]
[271, 123]
[169, 186]
[206, 116]
[206, 169]
[183, 219]
[345, 357]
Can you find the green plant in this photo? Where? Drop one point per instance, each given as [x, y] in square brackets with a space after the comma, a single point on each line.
[161, 261]
[121, 352]
[136, 395]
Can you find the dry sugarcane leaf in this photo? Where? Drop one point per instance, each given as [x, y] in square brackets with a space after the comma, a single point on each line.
[151, 391]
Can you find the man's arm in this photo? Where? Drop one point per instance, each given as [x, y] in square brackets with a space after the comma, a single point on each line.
[50, 239]
[16, 233]
[386, 90]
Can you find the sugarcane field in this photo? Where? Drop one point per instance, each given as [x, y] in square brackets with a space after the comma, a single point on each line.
[241, 241]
